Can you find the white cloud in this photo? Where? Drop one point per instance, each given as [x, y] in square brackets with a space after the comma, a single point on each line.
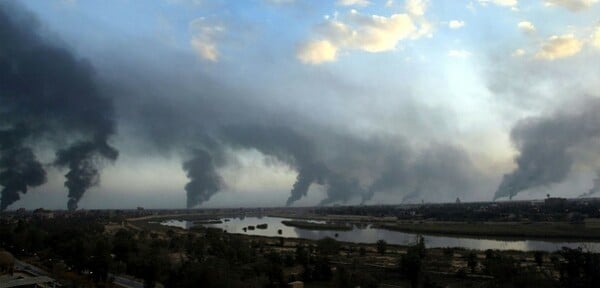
[518, 53]
[364, 32]
[505, 3]
[573, 5]
[373, 33]
[317, 52]
[455, 24]
[353, 2]
[526, 26]
[459, 53]
[389, 3]
[416, 7]
[557, 47]
[595, 41]
[204, 38]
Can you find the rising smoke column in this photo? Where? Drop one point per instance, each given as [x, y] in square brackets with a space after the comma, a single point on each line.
[394, 175]
[204, 179]
[546, 146]
[595, 188]
[298, 152]
[284, 144]
[45, 86]
[307, 175]
[83, 160]
[438, 171]
[340, 188]
[19, 168]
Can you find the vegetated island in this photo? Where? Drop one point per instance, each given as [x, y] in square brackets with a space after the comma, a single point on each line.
[204, 222]
[317, 226]
[262, 226]
[555, 230]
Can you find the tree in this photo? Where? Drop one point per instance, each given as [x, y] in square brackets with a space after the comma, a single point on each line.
[301, 255]
[362, 251]
[579, 269]
[381, 246]
[472, 261]
[411, 265]
[328, 246]
[539, 257]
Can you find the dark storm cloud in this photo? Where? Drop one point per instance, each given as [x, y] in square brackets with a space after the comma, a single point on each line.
[547, 145]
[47, 91]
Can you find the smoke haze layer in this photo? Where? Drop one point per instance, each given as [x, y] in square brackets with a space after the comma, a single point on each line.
[86, 95]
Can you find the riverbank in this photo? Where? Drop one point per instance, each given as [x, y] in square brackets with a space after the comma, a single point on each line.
[546, 231]
[317, 226]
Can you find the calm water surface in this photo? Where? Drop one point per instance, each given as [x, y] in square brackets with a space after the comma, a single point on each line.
[366, 234]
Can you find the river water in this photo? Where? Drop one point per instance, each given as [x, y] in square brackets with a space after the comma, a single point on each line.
[367, 234]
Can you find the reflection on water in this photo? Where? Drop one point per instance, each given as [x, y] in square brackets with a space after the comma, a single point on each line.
[178, 223]
[367, 234]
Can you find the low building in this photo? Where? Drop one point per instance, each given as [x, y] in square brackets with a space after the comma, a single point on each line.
[555, 201]
[41, 213]
[296, 284]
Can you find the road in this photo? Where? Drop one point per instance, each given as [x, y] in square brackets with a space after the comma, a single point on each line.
[125, 282]
[20, 265]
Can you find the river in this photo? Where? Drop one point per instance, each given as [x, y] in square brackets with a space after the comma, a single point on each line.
[367, 234]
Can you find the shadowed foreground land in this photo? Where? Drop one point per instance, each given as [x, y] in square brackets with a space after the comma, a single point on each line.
[91, 248]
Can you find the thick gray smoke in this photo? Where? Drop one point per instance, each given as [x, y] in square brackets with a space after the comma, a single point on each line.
[546, 147]
[47, 90]
[438, 170]
[595, 188]
[204, 179]
[19, 168]
[299, 152]
[287, 146]
[167, 107]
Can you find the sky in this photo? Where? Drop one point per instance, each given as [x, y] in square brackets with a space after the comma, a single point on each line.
[198, 103]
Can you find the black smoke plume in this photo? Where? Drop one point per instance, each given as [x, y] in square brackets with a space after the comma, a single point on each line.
[43, 85]
[19, 168]
[547, 146]
[436, 171]
[299, 152]
[204, 179]
[307, 175]
[83, 160]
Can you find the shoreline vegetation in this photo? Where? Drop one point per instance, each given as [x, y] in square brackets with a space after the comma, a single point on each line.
[204, 222]
[555, 230]
[317, 226]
